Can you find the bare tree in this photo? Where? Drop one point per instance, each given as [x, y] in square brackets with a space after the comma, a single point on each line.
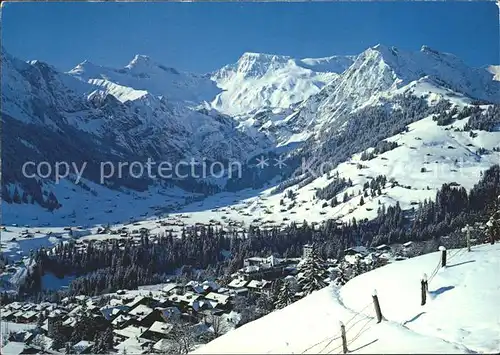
[182, 338]
[219, 325]
[40, 342]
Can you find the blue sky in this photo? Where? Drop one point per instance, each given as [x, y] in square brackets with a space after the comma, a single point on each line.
[202, 37]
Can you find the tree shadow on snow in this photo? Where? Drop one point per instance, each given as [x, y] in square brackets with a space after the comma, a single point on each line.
[414, 318]
[462, 263]
[363, 346]
[441, 290]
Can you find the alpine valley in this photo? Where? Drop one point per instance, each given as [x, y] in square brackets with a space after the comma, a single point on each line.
[383, 112]
[343, 155]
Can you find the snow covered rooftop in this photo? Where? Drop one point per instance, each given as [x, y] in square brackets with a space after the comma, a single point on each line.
[161, 327]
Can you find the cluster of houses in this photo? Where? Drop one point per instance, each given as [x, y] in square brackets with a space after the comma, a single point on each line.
[143, 319]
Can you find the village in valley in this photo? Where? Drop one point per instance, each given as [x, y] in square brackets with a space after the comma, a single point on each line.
[203, 179]
[176, 316]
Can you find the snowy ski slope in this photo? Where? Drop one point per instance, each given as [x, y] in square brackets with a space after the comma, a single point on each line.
[462, 314]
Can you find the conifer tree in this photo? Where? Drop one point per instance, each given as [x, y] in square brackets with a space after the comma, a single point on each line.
[341, 278]
[285, 296]
[312, 273]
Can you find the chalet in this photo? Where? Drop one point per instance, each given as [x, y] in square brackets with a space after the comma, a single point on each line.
[7, 315]
[222, 300]
[407, 244]
[144, 316]
[129, 332]
[265, 271]
[210, 286]
[239, 292]
[135, 345]
[238, 283]
[383, 247]
[161, 345]
[194, 287]
[202, 305]
[28, 317]
[110, 313]
[79, 233]
[83, 347]
[184, 300]
[17, 316]
[70, 322]
[42, 339]
[258, 287]
[361, 250]
[157, 331]
[121, 321]
[140, 300]
[15, 306]
[170, 288]
[169, 313]
[23, 337]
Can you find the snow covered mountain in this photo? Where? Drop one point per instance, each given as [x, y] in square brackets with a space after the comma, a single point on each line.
[146, 76]
[461, 314]
[94, 114]
[265, 81]
[332, 109]
[382, 72]
[260, 89]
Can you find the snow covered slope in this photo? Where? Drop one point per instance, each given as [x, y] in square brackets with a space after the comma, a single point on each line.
[462, 314]
[426, 156]
[261, 81]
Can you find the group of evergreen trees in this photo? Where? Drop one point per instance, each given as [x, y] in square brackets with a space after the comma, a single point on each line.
[108, 266]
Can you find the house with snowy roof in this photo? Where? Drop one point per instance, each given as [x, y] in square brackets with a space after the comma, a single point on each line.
[169, 313]
[135, 345]
[110, 313]
[130, 331]
[144, 316]
[122, 321]
[83, 347]
[157, 331]
[223, 301]
[260, 286]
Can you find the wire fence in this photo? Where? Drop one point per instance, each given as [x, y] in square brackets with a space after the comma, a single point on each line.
[329, 340]
[369, 318]
[456, 253]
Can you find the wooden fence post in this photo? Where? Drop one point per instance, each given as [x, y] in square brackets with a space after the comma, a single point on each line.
[423, 284]
[344, 338]
[443, 256]
[376, 303]
[491, 229]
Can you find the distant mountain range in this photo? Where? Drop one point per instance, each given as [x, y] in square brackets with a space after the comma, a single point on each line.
[262, 103]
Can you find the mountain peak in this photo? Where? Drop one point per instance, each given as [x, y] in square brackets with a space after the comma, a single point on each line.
[263, 56]
[86, 67]
[140, 60]
[383, 50]
[252, 64]
[426, 48]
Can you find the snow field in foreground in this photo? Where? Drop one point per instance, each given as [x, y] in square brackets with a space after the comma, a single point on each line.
[462, 314]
